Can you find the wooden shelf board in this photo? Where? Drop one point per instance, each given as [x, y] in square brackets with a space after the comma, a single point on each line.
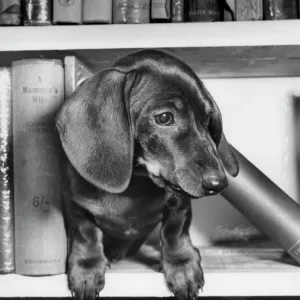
[228, 272]
[218, 34]
[210, 62]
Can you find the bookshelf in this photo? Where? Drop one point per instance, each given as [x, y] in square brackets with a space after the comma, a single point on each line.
[215, 50]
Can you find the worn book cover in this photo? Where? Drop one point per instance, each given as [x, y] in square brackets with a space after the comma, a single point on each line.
[280, 9]
[6, 192]
[248, 10]
[40, 237]
[205, 10]
[67, 12]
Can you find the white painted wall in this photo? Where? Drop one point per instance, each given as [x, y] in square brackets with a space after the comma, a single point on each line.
[258, 118]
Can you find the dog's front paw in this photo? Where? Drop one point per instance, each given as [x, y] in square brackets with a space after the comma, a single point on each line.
[184, 276]
[85, 280]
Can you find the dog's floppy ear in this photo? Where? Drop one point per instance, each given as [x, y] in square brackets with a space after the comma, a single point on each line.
[225, 152]
[95, 130]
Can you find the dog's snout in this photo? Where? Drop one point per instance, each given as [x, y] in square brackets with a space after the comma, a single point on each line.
[213, 185]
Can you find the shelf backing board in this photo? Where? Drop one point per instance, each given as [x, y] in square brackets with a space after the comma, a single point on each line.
[208, 62]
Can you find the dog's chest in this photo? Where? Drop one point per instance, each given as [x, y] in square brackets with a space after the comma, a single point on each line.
[132, 213]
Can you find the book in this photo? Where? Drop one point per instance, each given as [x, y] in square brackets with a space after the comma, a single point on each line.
[131, 11]
[7, 264]
[248, 10]
[40, 236]
[97, 11]
[178, 11]
[75, 72]
[37, 12]
[161, 11]
[10, 12]
[205, 10]
[280, 9]
[229, 10]
[67, 12]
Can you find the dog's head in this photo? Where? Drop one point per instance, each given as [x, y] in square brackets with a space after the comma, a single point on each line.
[152, 109]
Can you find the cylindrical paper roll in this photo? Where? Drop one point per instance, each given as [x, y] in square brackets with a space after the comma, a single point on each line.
[10, 12]
[40, 238]
[6, 198]
[67, 12]
[266, 205]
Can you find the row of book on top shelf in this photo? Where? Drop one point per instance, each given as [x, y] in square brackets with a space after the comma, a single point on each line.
[48, 12]
[32, 231]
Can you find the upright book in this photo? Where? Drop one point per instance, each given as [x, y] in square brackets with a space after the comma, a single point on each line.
[248, 10]
[280, 9]
[40, 237]
[76, 72]
[6, 198]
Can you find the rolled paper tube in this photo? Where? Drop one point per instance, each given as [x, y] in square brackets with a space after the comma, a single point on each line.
[268, 207]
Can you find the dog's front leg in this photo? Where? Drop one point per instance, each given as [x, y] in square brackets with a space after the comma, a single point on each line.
[87, 262]
[180, 259]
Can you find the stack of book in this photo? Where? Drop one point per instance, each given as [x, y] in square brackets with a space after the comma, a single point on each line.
[32, 230]
[52, 12]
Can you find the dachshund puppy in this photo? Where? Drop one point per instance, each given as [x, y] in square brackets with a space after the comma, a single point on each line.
[148, 111]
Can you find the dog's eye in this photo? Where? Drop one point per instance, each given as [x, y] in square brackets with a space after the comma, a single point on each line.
[164, 119]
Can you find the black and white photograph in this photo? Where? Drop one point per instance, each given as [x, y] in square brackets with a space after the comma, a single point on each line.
[150, 149]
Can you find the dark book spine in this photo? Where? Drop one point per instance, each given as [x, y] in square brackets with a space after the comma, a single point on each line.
[37, 12]
[280, 9]
[205, 10]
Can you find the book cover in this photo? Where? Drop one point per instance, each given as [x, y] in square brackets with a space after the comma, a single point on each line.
[131, 11]
[97, 11]
[160, 11]
[229, 10]
[67, 12]
[205, 10]
[178, 11]
[75, 73]
[6, 199]
[10, 12]
[280, 9]
[248, 10]
[40, 236]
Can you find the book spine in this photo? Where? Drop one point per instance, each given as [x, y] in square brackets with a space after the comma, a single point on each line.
[229, 10]
[205, 10]
[280, 9]
[7, 264]
[161, 11]
[248, 10]
[97, 11]
[131, 11]
[40, 237]
[37, 12]
[75, 73]
[67, 12]
[178, 11]
[10, 12]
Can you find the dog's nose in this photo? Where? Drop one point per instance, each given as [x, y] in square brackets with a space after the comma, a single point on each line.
[213, 185]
